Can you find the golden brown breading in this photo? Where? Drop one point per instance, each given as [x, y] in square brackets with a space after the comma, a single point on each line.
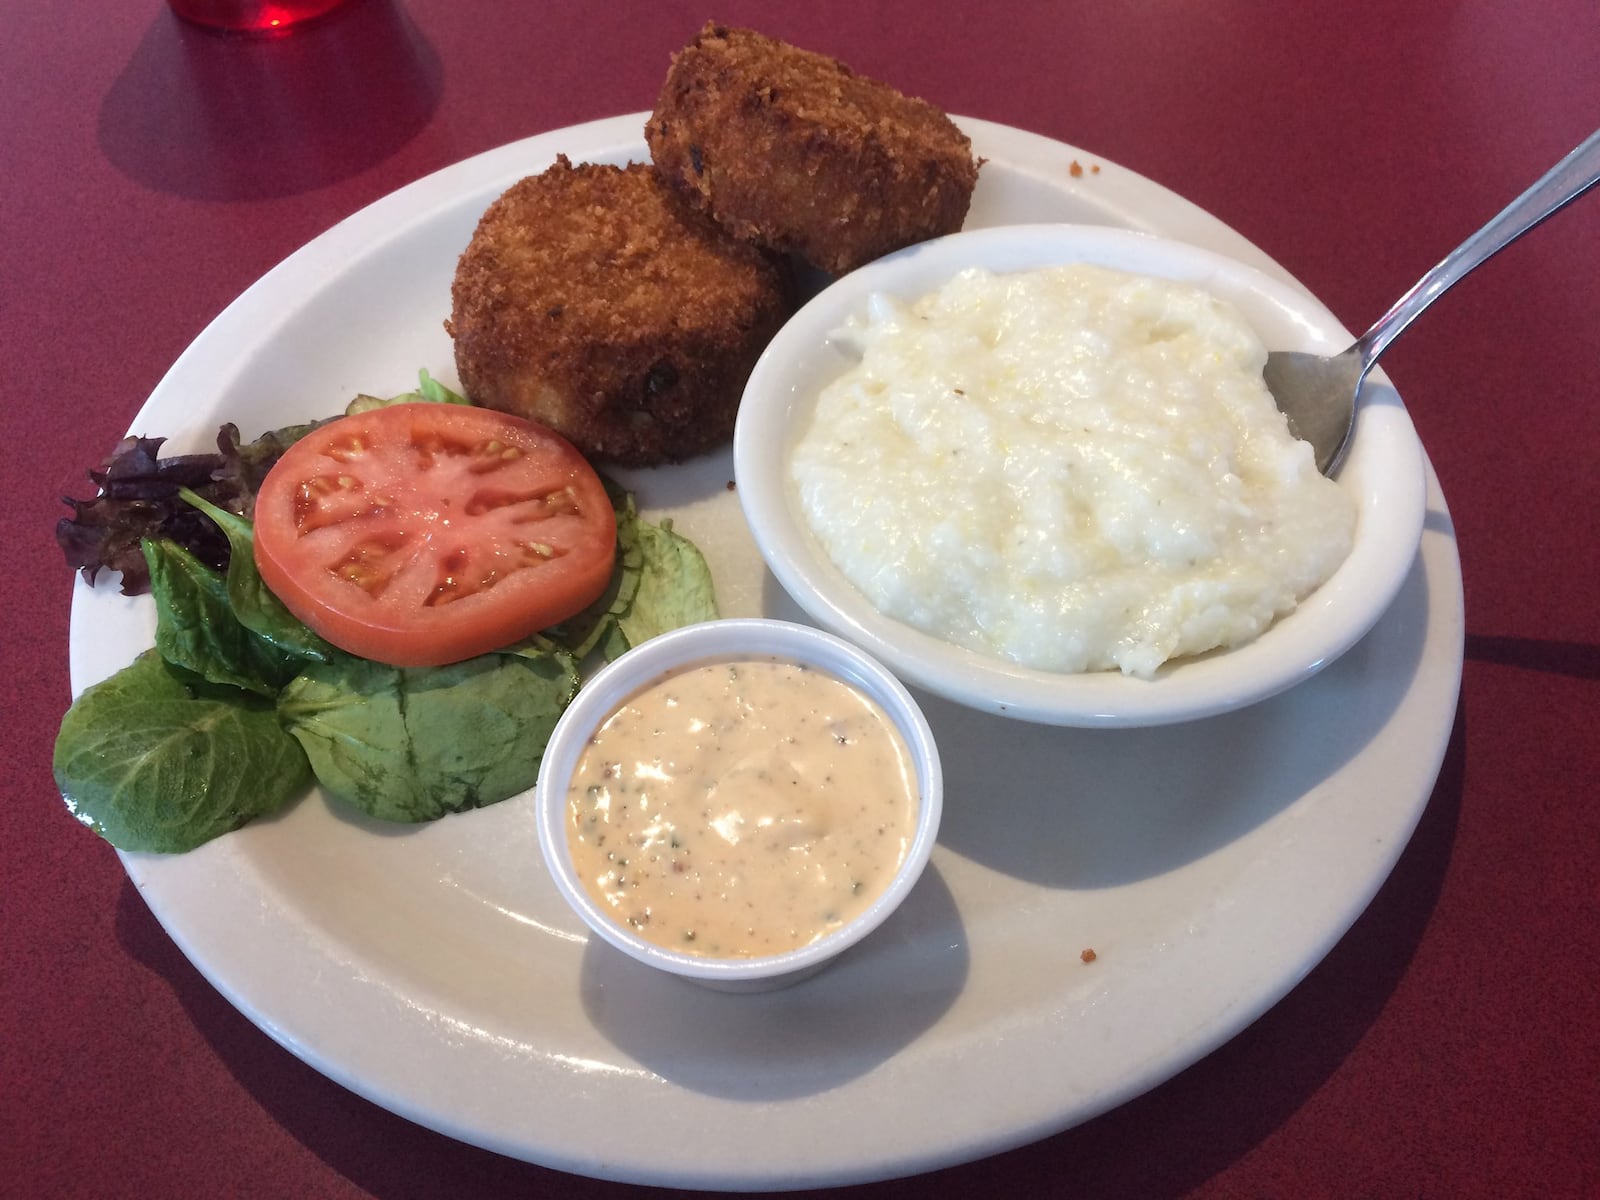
[591, 299]
[794, 151]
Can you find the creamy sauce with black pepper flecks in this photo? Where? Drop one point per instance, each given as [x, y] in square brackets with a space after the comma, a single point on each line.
[744, 808]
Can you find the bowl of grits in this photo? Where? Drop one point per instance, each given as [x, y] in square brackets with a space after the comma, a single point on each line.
[739, 802]
[1035, 470]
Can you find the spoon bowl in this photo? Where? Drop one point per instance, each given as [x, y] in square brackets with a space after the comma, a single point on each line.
[1318, 394]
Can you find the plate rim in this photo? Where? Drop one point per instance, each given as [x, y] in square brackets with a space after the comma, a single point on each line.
[165, 888]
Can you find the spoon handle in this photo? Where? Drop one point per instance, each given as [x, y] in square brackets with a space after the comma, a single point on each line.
[1562, 184]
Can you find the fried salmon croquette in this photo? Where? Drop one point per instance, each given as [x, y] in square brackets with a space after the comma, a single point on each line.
[794, 151]
[592, 300]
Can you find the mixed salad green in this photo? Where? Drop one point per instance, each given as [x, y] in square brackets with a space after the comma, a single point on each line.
[239, 706]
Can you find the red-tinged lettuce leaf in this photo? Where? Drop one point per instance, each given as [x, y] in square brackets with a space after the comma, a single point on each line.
[138, 499]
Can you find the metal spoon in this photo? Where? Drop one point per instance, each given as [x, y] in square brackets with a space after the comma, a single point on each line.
[1318, 394]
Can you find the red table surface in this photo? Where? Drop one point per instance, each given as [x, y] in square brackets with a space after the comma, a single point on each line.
[1449, 1045]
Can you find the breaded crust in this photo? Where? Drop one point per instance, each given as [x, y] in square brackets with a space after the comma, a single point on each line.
[592, 300]
[794, 151]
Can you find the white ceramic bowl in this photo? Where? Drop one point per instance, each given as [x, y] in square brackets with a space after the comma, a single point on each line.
[710, 642]
[1383, 472]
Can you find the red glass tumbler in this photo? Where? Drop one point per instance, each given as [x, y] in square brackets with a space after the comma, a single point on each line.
[252, 16]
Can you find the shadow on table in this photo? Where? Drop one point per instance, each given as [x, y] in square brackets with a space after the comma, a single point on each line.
[212, 117]
[1579, 660]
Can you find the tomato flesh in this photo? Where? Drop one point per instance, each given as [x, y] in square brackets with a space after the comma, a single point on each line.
[424, 534]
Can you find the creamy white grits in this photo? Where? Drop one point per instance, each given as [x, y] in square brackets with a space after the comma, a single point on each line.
[1072, 468]
[741, 808]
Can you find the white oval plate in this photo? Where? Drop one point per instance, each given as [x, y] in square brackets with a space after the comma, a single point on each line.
[436, 970]
[1383, 474]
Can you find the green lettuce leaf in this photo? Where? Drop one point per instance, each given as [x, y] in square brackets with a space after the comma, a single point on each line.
[661, 582]
[257, 609]
[429, 391]
[597, 624]
[674, 585]
[196, 628]
[412, 744]
[154, 761]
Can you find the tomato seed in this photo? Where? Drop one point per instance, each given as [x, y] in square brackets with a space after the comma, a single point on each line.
[346, 449]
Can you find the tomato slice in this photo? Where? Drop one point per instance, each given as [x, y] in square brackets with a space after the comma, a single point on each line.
[422, 534]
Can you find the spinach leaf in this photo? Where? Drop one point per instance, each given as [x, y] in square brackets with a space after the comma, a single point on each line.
[154, 762]
[412, 744]
[196, 628]
[257, 609]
